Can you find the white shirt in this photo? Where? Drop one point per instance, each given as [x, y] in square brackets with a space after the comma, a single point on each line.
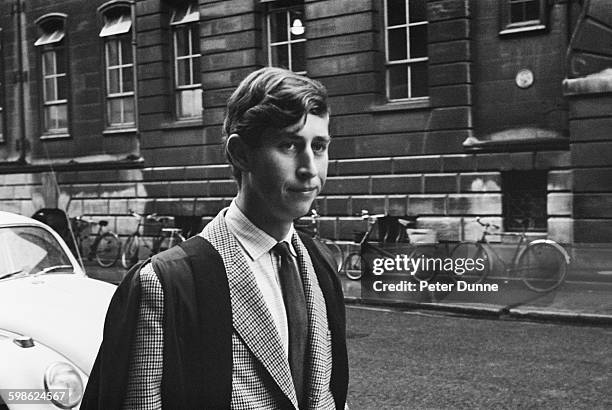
[257, 247]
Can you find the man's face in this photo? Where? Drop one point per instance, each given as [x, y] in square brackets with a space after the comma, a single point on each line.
[287, 171]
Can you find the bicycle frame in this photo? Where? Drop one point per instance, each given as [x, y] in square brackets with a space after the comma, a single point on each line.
[521, 246]
[157, 239]
[96, 242]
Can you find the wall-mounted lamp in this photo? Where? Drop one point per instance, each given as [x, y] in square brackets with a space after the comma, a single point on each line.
[297, 28]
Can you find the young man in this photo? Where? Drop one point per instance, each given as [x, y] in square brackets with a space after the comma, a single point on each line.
[248, 314]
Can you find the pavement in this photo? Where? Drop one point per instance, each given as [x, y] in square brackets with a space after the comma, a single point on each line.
[584, 298]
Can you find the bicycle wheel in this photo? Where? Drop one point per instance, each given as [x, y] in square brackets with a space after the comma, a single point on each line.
[542, 266]
[129, 256]
[471, 262]
[336, 253]
[424, 273]
[352, 266]
[108, 250]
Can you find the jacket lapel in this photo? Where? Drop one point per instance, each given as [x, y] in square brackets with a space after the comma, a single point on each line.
[251, 318]
[317, 319]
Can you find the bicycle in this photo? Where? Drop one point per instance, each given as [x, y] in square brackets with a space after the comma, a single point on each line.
[106, 246]
[152, 226]
[540, 264]
[313, 230]
[354, 262]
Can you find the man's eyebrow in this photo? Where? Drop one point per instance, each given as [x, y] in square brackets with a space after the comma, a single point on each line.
[293, 136]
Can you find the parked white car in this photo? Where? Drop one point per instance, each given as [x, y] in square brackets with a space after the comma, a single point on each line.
[51, 318]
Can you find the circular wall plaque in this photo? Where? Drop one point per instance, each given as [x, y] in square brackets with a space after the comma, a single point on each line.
[524, 78]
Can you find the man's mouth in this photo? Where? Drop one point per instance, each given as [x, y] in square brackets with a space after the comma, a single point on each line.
[303, 190]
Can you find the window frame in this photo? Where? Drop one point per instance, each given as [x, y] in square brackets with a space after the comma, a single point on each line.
[107, 37]
[273, 7]
[509, 27]
[408, 61]
[177, 89]
[48, 42]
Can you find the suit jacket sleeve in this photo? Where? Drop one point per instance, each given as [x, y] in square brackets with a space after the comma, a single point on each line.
[146, 359]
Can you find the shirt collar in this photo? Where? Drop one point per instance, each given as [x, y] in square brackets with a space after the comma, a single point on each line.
[253, 240]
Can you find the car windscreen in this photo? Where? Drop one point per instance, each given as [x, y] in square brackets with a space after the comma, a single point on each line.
[29, 250]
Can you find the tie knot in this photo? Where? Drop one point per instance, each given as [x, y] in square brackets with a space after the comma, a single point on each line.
[282, 248]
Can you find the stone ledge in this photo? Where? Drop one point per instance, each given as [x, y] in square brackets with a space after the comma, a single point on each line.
[596, 83]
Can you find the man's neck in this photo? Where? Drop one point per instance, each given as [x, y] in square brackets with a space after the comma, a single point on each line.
[275, 228]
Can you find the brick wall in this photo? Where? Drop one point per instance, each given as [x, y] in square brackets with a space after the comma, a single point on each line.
[397, 158]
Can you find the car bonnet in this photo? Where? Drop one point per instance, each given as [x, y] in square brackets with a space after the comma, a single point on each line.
[65, 312]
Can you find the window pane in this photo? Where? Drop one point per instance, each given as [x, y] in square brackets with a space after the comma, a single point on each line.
[195, 66]
[182, 72]
[295, 32]
[396, 12]
[60, 60]
[48, 64]
[398, 80]
[418, 41]
[62, 116]
[114, 111]
[397, 44]
[182, 41]
[128, 79]
[189, 103]
[56, 117]
[128, 110]
[280, 56]
[49, 111]
[532, 11]
[418, 80]
[417, 10]
[50, 89]
[516, 12]
[126, 50]
[111, 52]
[298, 56]
[278, 26]
[113, 81]
[195, 38]
[62, 88]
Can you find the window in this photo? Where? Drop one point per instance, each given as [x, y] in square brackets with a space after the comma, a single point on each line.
[522, 15]
[286, 36]
[186, 45]
[119, 67]
[51, 44]
[524, 200]
[1, 87]
[406, 49]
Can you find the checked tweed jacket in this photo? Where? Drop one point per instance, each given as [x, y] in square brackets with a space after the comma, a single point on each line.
[261, 378]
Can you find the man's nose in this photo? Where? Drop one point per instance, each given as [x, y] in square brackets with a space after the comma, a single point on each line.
[307, 167]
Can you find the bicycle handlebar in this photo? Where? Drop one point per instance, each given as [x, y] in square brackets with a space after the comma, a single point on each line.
[140, 216]
[486, 225]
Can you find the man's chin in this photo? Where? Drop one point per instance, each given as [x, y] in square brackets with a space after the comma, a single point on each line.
[301, 210]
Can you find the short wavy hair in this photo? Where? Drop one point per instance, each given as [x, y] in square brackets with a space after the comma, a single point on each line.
[271, 98]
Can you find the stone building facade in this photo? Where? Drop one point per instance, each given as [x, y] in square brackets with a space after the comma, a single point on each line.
[442, 109]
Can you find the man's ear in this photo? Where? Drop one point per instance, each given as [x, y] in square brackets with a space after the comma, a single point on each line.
[238, 152]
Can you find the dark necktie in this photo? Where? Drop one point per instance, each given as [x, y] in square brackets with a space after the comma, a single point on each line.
[297, 317]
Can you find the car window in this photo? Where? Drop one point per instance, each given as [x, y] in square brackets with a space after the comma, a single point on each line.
[29, 249]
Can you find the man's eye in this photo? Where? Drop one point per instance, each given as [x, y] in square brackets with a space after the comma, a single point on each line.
[288, 146]
[319, 147]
